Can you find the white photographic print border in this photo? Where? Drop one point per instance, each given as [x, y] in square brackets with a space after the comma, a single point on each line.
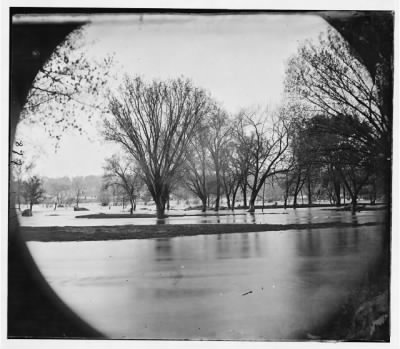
[369, 5]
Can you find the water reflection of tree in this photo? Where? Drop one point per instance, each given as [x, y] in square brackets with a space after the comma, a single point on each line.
[250, 217]
[163, 249]
[309, 216]
[341, 242]
[354, 219]
[347, 241]
[222, 247]
[308, 243]
[238, 245]
[244, 246]
[257, 245]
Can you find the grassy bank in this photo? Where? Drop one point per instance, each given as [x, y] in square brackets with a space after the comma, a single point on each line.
[123, 232]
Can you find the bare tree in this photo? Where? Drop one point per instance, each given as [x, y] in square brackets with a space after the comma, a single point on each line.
[328, 76]
[346, 161]
[32, 191]
[67, 87]
[20, 169]
[197, 169]
[18, 174]
[267, 135]
[124, 174]
[155, 122]
[302, 159]
[78, 189]
[242, 159]
[60, 193]
[231, 171]
[58, 188]
[219, 132]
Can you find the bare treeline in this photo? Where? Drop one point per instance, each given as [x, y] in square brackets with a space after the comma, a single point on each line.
[330, 138]
[176, 133]
[345, 121]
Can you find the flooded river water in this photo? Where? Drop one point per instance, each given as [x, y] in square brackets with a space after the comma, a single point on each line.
[254, 286]
[67, 217]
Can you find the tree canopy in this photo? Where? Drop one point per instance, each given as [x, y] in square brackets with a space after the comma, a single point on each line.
[332, 81]
[68, 87]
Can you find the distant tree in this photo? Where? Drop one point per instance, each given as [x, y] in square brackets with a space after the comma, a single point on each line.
[123, 174]
[60, 194]
[303, 168]
[104, 196]
[70, 199]
[197, 166]
[20, 171]
[242, 159]
[92, 183]
[117, 193]
[32, 191]
[154, 122]
[78, 189]
[231, 171]
[17, 171]
[58, 188]
[219, 133]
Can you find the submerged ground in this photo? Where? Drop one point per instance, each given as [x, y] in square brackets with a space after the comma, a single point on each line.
[282, 275]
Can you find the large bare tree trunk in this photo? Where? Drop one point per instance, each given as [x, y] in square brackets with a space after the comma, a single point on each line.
[204, 204]
[336, 190]
[344, 195]
[228, 200]
[218, 186]
[309, 191]
[337, 196]
[160, 205]
[244, 193]
[252, 201]
[159, 192]
[297, 189]
[353, 203]
[286, 194]
[295, 200]
[234, 198]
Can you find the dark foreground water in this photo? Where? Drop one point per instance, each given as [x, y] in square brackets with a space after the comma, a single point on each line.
[266, 285]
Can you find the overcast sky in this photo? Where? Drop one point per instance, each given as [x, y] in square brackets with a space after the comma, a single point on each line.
[240, 59]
